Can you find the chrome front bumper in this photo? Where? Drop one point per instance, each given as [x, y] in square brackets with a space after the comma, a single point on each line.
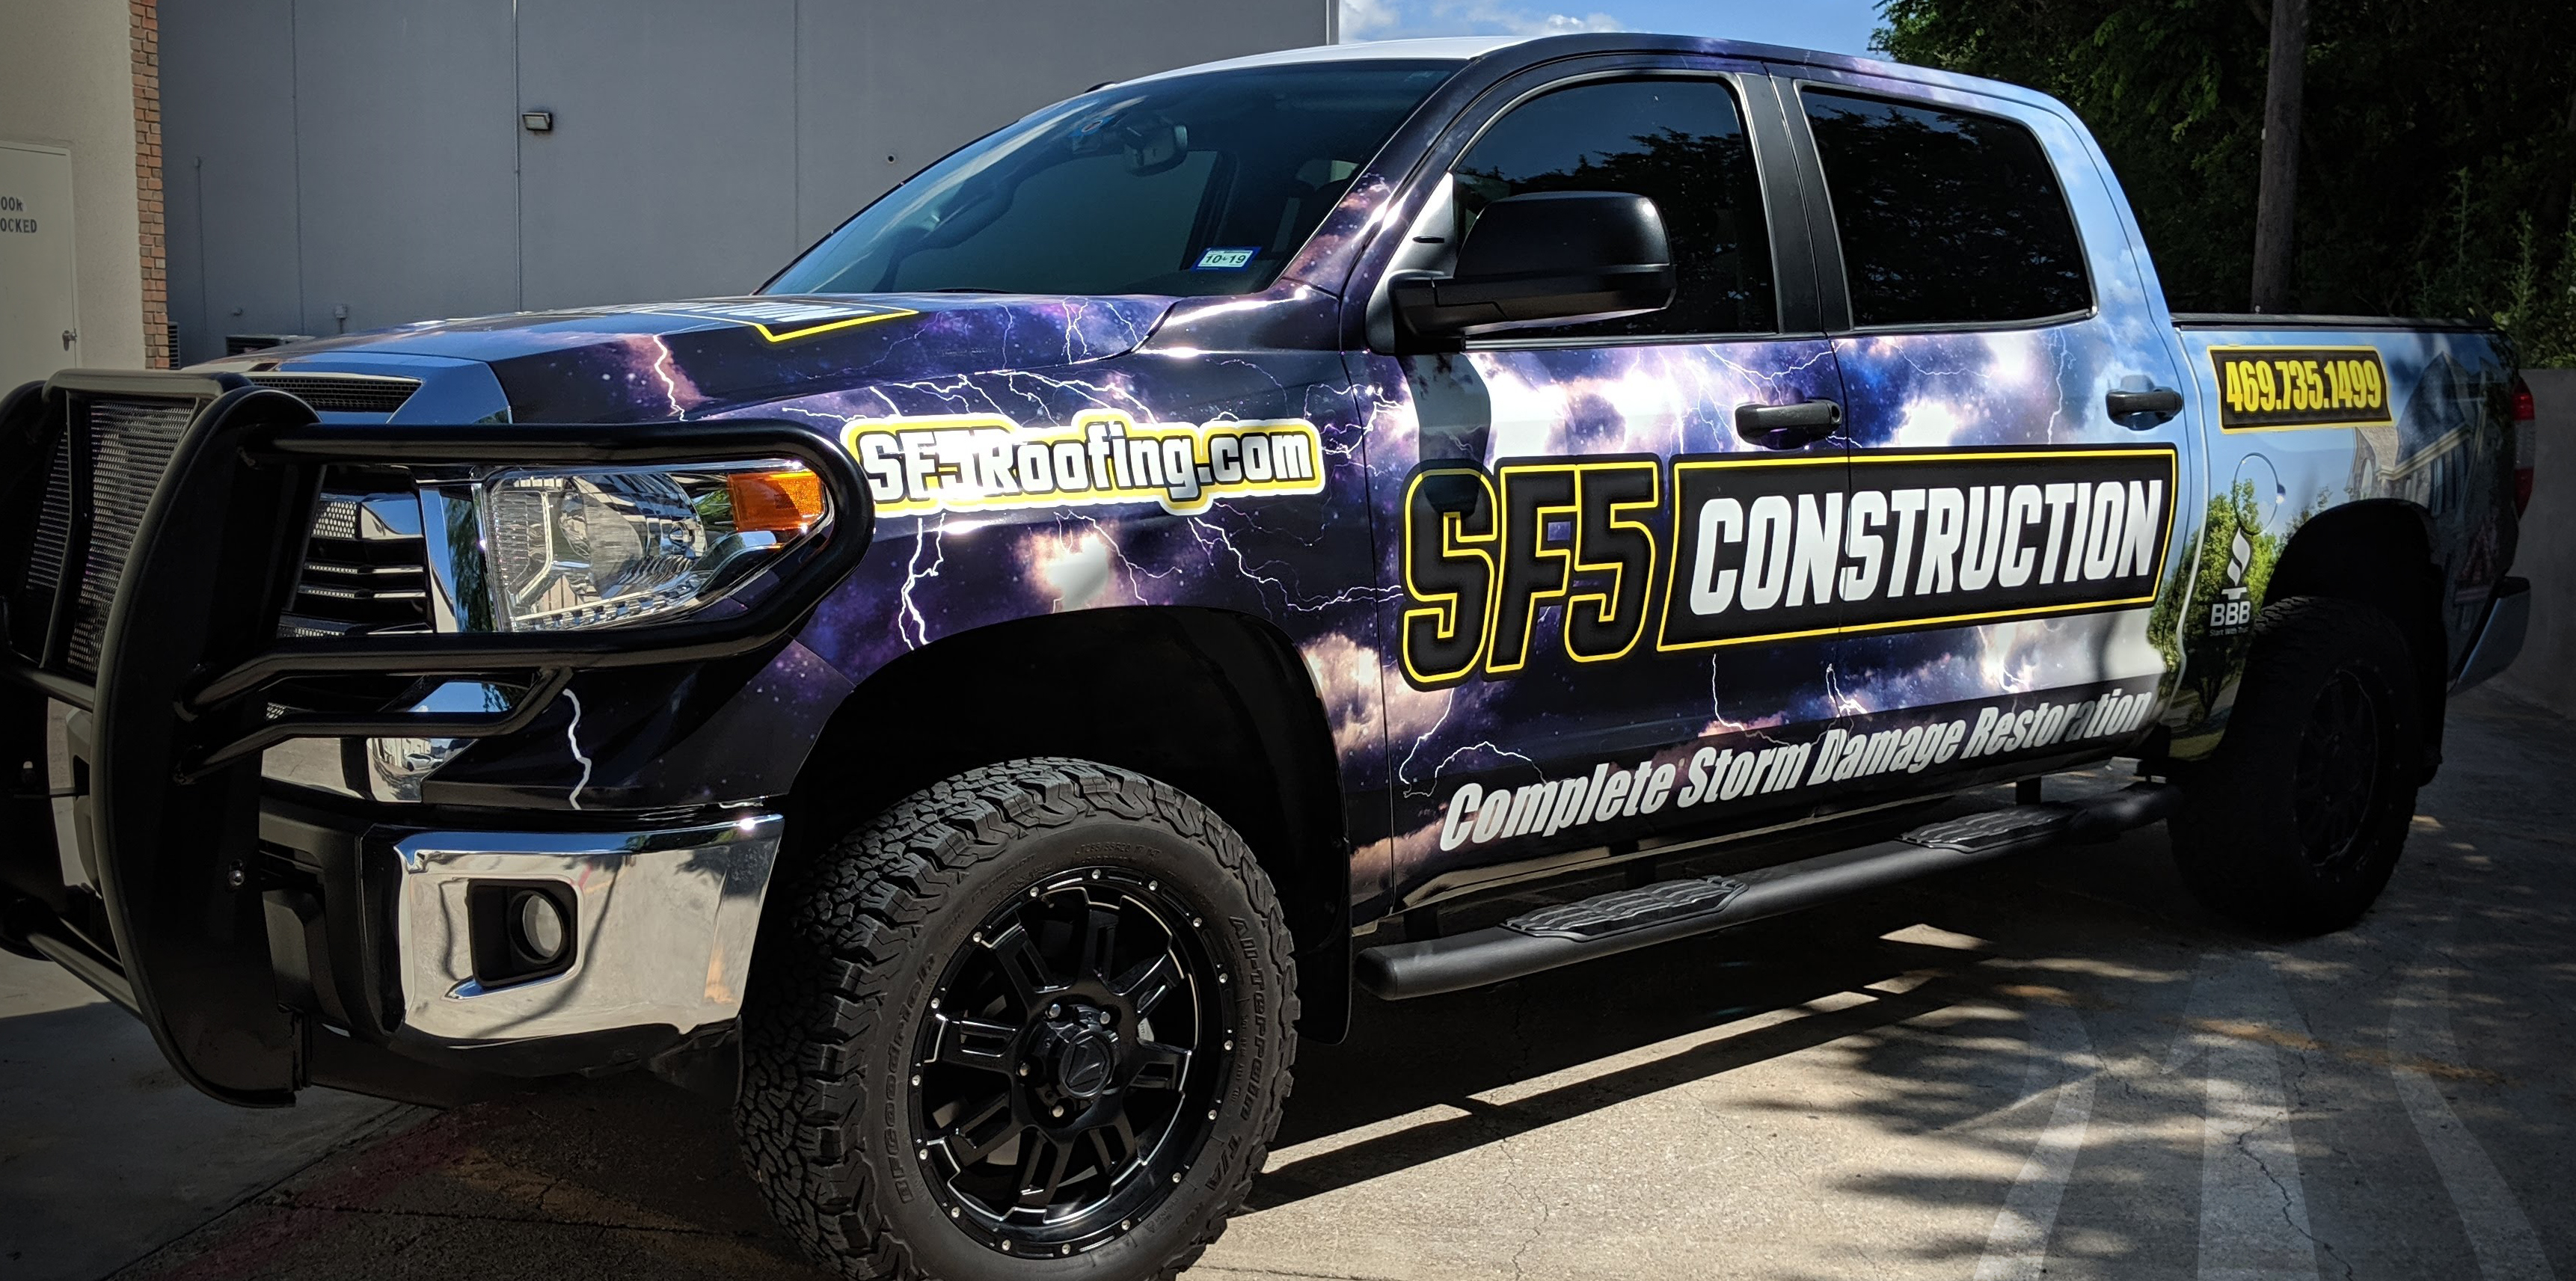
[662, 929]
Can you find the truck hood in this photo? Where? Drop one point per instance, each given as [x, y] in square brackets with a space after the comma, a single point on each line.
[649, 361]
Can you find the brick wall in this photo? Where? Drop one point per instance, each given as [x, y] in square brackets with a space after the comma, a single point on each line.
[144, 19]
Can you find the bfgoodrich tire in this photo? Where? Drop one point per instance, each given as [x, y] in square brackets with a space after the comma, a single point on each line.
[2295, 823]
[1035, 1021]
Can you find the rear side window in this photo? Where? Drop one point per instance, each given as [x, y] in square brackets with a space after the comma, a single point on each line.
[1945, 217]
[1679, 143]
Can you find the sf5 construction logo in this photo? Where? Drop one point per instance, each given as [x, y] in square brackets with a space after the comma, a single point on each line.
[1704, 551]
[985, 462]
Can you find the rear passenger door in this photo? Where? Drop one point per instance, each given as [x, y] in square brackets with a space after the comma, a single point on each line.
[1546, 673]
[2013, 405]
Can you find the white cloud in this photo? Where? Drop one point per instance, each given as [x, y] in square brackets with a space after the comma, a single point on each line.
[1391, 19]
[1368, 19]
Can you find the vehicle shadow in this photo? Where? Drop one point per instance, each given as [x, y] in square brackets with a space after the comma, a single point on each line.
[1571, 1043]
[647, 1176]
[1936, 1001]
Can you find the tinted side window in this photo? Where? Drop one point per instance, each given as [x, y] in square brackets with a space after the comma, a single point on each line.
[1946, 217]
[1679, 143]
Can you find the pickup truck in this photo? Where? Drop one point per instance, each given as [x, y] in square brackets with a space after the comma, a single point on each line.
[1393, 517]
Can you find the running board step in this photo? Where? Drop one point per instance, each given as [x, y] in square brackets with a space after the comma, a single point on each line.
[1624, 920]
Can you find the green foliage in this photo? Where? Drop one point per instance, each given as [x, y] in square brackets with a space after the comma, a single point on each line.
[2437, 149]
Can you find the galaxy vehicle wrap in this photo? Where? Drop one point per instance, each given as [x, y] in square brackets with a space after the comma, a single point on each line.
[1635, 662]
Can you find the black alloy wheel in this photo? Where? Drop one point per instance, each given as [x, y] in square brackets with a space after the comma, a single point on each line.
[1034, 1022]
[2296, 821]
[1068, 1070]
[2338, 769]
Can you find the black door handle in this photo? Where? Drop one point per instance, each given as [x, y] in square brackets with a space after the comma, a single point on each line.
[2164, 402]
[1787, 426]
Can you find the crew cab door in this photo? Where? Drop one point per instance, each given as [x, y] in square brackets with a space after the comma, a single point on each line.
[1547, 649]
[2014, 405]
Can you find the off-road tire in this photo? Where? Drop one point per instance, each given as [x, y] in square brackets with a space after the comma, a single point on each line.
[860, 935]
[2237, 837]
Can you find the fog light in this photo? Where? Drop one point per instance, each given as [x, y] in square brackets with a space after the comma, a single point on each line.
[541, 926]
[521, 930]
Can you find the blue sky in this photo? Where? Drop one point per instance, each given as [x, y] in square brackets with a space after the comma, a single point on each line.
[1836, 26]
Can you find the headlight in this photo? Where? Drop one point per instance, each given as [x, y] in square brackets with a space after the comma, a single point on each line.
[596, 547]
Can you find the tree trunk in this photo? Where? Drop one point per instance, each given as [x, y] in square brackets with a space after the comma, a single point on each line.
[2273, 242]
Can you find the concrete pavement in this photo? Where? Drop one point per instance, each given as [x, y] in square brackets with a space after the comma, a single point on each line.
[2056, 1065]
[106, 1155]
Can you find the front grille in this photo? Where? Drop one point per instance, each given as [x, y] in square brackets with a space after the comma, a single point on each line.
[129, 452]
[343, 393]
[45, 562]
[366, 564]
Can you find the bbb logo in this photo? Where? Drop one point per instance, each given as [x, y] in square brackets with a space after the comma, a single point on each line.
[2233, 611]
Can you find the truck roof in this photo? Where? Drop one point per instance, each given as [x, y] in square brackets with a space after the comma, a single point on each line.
[1533, 49]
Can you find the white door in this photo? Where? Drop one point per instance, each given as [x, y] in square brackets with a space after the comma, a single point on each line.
[39, 314]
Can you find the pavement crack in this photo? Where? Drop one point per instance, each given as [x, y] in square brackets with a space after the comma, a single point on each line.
[2291, 1209]
[1293, 1274]
[1512, 1160]
[1511, 1156]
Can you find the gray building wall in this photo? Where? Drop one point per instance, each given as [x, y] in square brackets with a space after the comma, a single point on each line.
[336, 165]
[2546, 672]
[67, 81]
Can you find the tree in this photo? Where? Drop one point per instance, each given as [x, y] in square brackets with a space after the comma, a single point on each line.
[2275, 225]
[2436, 154]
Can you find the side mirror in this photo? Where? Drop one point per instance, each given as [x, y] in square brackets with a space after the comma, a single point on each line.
[1546, 258]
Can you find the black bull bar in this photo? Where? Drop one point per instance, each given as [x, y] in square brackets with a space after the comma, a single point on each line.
[168, 811]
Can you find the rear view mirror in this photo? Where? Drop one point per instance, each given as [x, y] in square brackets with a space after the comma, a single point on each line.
[1546, 258]
[1154, 146]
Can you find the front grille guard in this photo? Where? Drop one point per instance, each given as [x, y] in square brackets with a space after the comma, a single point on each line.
[192, 644]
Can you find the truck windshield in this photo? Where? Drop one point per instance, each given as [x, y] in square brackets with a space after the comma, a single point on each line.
[1192, 185]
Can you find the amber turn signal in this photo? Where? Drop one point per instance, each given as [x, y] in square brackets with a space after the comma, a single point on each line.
[776, 502]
